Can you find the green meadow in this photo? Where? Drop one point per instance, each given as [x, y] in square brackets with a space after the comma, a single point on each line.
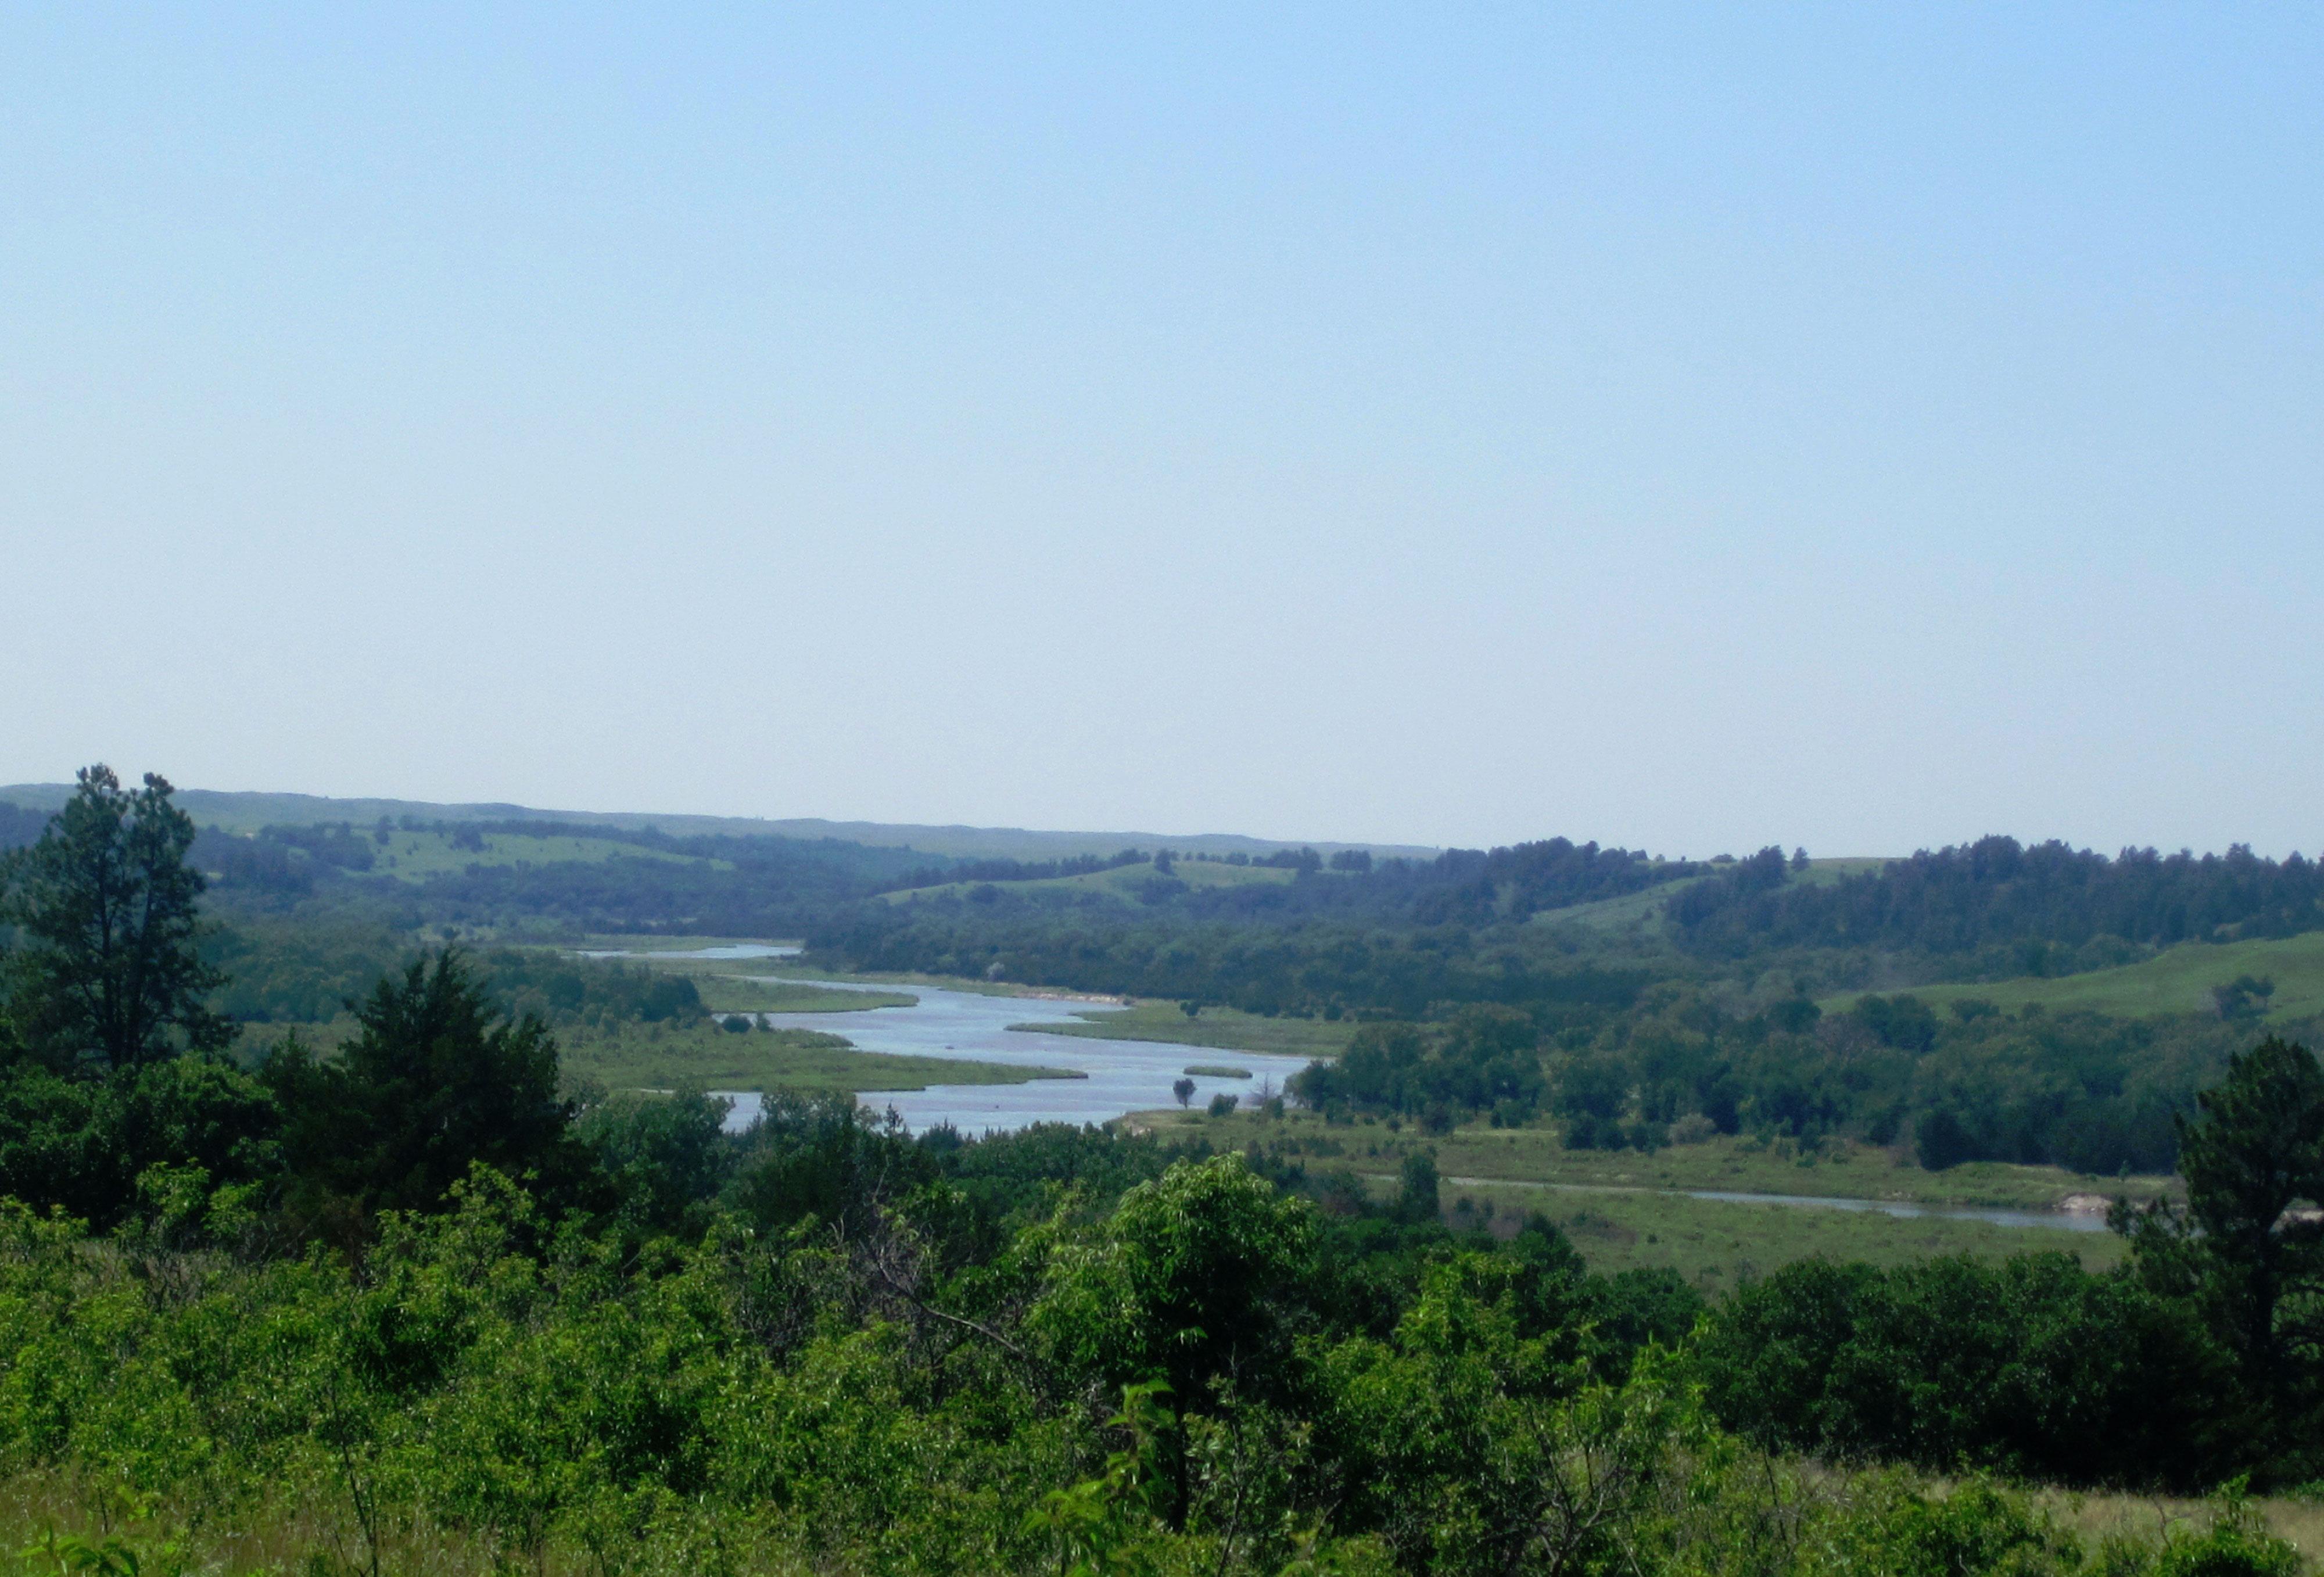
[1715, 1244]
[1641, 912]
[1537, 1156]
[415, 856]
[2177, 980]
[1627, 1210]
[1225, 1028]
[1123, 882]
[726, 994]
[655, 1056]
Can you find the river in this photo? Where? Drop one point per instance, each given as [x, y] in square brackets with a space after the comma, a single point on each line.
[1121, 1077]
[1117, 1076]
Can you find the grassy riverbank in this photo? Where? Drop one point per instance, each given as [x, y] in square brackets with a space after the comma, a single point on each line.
[656, 1057]
[1222, 1029]
[726, 994]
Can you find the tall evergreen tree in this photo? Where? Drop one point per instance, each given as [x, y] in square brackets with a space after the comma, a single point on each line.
[2258, 1152]
[106, 974]
[2247, 1247]
[436, 1080]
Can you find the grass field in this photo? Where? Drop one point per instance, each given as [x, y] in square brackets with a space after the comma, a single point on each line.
[2297, 1519]
[1537, 1156]
[1844, 1171]
[1622, 1210]
[416, 857]
[2178, 980]
[1225, 1028]
[651, 1058]
[726, 994]
[1122, 882]
[1641, 912]
[1715, 1245]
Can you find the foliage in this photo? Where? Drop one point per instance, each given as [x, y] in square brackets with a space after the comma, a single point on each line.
[436, 1081]
[2018, 911]
[106, 977]
[1483, 1058]
[2030, 1367]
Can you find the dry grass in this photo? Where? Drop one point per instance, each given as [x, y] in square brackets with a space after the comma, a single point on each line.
[2298, 1522]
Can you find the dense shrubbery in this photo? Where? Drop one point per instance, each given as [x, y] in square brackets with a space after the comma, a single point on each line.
[2029, 1368]
[488, 1391]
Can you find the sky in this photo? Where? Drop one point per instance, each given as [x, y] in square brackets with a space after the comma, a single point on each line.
[1857, 427]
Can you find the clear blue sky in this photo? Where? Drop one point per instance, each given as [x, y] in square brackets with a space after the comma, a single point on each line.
[1862, 427]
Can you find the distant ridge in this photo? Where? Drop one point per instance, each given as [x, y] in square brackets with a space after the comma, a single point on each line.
[247, 812]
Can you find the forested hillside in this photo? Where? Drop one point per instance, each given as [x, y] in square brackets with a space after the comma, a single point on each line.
[421, 1305]
[1998, 909]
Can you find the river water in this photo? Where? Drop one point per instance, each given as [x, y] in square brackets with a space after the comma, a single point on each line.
[1119, 1076]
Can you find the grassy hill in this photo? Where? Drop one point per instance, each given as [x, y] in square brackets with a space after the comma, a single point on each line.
[2177, 980]
[1641, 912]
[247, 812]
[417, 856]
[1122, 882]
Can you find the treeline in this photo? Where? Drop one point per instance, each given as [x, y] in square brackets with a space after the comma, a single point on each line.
[2081, 1091]
[285, 973]
[1999, 908]
[722, 886]
[1316, 971]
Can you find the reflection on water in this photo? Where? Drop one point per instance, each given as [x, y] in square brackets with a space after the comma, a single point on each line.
[1117, 1076]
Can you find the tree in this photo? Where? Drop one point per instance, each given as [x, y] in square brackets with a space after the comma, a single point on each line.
[1416, 1198]
[108, 975]
[436, 1081]
[1184, 1090]
[1199, 1278]
[2246, 997]
[2256, 1151]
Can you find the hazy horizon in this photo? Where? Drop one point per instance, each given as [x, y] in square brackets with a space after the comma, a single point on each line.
[1682, 429]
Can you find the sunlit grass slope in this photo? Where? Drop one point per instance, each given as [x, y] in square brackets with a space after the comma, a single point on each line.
[415, 856]
[1124, 883]
[2178, 980]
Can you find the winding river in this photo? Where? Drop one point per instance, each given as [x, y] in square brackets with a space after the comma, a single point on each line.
[1117, 1077]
